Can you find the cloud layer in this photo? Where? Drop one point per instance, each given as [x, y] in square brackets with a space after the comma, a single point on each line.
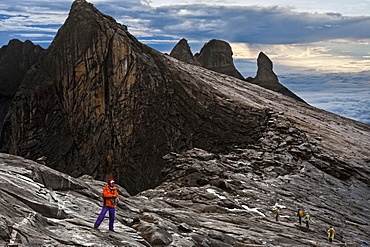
[346, 94]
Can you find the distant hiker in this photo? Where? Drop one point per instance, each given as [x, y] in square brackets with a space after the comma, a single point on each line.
[331, 233]
[277, 212]
[300, 215]
[110, 199]
[307, 218]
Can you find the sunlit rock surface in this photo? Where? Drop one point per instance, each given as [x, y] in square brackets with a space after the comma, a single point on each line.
[205, 156]
[205, 199]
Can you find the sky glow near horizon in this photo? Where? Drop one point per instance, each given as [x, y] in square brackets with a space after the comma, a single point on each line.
[312, 39]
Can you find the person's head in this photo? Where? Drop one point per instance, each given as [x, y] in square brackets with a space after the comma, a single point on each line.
[111, 182]
[331, 227]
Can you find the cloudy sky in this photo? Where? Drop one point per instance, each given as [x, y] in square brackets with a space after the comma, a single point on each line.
[320, 49]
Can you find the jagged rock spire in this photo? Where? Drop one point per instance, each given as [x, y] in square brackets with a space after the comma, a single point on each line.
[182, 52]
[215, 55]
[267, 78]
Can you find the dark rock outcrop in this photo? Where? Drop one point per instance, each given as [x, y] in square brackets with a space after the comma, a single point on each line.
[15, 59]
[101, 103]
[217, 55]
[182, 52]
[267, 78]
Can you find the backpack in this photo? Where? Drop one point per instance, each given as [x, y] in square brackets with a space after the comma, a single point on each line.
[300, 213]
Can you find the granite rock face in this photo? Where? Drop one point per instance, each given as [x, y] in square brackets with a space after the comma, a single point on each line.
[204, 199]
[182, 52]
[267, 78]
[101, 103]
[217, 55]
[15, 59]
[202, 158]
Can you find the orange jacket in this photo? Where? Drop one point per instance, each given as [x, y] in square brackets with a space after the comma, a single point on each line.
[110, 196]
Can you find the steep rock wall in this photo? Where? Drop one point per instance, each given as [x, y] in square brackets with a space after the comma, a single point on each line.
[102, 103]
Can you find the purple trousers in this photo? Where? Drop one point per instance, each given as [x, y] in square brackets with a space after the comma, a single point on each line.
[112, 212]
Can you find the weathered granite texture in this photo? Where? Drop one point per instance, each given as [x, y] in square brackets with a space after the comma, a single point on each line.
[101, 103]
[208, 156]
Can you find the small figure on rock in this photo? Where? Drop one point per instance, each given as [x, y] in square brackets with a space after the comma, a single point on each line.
[300, 215]
[307, 218]
[110, 199]
[277, 213]
[331, 233]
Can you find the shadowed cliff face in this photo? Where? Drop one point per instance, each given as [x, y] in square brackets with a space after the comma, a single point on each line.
[15, 59]
[101, 103]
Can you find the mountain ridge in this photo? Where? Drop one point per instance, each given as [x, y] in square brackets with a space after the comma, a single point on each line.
[202, 158]
[114, 98]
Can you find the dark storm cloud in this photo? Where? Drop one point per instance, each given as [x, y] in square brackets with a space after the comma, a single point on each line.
[263, 25]
[249, 24]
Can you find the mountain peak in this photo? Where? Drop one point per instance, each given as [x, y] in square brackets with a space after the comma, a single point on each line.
[119, 106]
[182, 52]
[217, 55]
[267, 78]
[208, 155]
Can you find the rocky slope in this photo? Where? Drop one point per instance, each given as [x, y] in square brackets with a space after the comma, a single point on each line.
[205, 156]
[205, 199]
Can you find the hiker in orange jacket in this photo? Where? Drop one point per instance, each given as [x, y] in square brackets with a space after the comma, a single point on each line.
[110, 199]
